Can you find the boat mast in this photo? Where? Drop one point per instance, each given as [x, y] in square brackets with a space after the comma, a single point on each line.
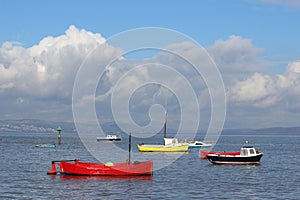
[165, 126]
[129, 149]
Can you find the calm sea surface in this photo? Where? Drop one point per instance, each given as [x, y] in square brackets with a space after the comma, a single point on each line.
[23, 172]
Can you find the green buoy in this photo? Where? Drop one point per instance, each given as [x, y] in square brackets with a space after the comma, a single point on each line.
[59, 135]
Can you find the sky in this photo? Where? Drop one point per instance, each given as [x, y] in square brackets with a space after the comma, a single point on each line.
[254, 43]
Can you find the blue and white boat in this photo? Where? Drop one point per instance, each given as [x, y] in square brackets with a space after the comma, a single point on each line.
[198, 144]
[46, 145]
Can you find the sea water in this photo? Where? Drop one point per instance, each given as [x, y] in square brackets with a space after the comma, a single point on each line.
[23, 171]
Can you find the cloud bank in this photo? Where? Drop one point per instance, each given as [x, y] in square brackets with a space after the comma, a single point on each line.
[37, 82]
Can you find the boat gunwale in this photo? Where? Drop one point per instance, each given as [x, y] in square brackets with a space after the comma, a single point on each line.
[229, 155]
[101, 169]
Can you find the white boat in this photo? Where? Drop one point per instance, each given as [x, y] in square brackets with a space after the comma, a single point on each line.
[246, 156]
[109, 138]
[198, 144]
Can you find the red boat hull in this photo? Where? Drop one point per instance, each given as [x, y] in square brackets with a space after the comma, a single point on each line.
[204, 153]
[101, 169]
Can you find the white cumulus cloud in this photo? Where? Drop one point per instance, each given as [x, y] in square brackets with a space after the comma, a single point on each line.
[256, 87]
[265, 90]
[47, 70]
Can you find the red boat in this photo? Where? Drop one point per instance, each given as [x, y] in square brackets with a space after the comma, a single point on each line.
[102, 169]
[76, 167]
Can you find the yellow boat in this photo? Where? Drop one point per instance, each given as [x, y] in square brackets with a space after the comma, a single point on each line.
[170, 144]
[162, 148]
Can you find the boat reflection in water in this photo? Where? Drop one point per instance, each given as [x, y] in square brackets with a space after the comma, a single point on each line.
[104, 187]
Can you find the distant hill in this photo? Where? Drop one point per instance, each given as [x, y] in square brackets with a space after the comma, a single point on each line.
[34, 126]
[278, 130]
[272, 130]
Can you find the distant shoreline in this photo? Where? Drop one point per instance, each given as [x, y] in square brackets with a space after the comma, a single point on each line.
[43, 126]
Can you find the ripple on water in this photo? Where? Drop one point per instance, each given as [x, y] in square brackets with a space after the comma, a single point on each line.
[23, 173]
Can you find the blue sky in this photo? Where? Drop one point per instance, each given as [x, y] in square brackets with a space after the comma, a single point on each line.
[261, 38]
[273, 27]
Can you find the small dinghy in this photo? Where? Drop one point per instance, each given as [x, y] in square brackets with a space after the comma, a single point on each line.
[46, 145]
